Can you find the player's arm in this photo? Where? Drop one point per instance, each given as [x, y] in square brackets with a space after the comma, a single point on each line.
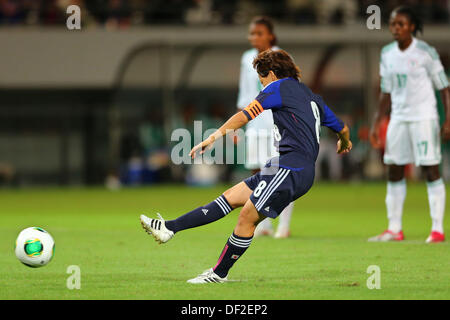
[384, 105]
[445, 96]
[269, 98]
[240, 119]
[437, 74]
[235, 122]
[330, 120]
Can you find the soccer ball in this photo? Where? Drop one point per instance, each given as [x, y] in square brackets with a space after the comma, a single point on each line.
[34, 247]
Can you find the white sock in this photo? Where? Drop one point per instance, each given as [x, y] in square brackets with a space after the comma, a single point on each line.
[395, 197]
[285, 216]
[266, 224]
[436, 199]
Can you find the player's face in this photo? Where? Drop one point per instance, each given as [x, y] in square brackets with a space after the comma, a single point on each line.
[400, 27]
[259, 37]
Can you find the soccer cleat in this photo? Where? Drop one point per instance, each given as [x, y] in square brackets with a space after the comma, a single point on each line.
[435, 237]
[282, 233]
[388, 236]
[208, 276]
[156, 228]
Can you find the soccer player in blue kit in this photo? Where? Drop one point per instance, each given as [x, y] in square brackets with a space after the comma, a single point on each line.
[298, 114]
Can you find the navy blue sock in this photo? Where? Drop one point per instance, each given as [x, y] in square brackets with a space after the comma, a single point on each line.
[211, 212]
[233, 250]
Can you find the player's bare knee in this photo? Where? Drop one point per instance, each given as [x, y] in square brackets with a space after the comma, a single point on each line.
[233, 199]
[229, 197]
[396, 173]
[235, 196]
[432, 173]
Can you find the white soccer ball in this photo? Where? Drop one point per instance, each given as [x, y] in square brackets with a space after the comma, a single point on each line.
[35, 247]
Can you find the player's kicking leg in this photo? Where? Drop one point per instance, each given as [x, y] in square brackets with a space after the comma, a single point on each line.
[163, 230]
[395, 197]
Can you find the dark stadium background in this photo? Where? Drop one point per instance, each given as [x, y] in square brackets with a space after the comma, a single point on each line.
[97, 105]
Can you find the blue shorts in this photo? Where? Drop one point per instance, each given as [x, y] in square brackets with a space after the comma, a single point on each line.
[275, 187]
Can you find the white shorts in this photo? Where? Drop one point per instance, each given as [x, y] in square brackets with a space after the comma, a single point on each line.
[259, 148]
[415, 142]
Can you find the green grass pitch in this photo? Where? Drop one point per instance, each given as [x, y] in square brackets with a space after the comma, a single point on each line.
[326, 257]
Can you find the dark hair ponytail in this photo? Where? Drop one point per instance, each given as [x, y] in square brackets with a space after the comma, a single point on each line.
[268, 23]
[412, 16]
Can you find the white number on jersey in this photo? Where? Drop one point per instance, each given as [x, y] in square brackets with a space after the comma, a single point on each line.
[259, 188]
[401, 79]
[315, 110]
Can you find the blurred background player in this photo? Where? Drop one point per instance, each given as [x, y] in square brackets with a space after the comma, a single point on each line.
[259, 133]
[409, 68]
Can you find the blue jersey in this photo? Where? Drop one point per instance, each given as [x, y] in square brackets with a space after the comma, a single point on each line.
[298, 114]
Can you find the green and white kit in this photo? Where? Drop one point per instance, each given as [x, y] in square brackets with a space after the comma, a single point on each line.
[409, 77]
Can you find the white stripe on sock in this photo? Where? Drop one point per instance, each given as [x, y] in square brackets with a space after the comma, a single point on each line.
[224, 203]
[221, 206]
[238, 244]
[242, 241]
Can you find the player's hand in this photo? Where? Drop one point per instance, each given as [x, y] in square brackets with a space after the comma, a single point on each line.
[445, 131]
[374, 137]
[208, 143]
[344, 146]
